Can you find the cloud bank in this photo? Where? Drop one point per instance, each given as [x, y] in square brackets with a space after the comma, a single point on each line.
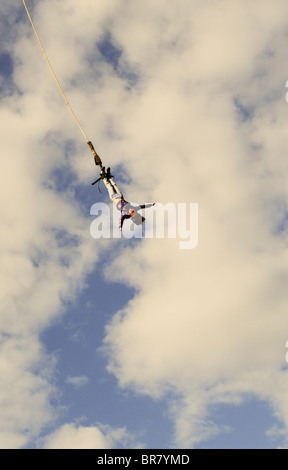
[192, 104]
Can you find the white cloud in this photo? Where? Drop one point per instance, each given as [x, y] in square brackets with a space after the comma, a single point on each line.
[71, 436]
[46, 249]
[26, 388]
[208, 325]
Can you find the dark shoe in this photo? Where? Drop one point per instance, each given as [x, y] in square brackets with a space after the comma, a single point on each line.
[105, 174]
[108, 173]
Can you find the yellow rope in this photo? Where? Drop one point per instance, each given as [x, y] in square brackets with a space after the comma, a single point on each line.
[63, 94]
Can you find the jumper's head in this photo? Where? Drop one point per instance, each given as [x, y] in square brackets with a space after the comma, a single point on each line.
[131, 212]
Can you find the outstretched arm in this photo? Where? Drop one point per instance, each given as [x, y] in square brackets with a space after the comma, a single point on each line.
[144, 206]
[121, 222]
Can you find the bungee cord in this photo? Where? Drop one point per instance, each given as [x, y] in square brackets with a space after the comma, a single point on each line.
[96, 156]
[115, 194]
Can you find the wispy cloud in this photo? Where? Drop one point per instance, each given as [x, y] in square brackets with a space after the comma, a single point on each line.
[80, 381]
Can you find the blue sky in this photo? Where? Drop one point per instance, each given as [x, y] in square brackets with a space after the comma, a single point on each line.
[118, 343]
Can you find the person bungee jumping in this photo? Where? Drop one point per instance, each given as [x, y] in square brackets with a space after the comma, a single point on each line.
[127, 210]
